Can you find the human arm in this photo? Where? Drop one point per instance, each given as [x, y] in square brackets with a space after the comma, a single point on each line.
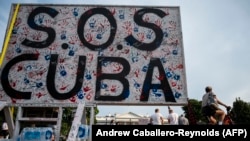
[151, 120]
[221, 103]
[162, 121]
[169, 119]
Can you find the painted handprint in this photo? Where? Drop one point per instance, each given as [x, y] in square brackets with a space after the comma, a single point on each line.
[71, 51]
[40, 19]
[127, 26]
[149, 34]
[135, 56]
[89, 37]
[37, 36]
[62, 71]
[18, 49]
[38, 84]
[80, 94]
[100, 32]
[75, 12]
[136, 84]
[88, 75]
[73, 39]
[121, 14]
[63, 35]
[141, 36]
[172, 25]
[92, 22]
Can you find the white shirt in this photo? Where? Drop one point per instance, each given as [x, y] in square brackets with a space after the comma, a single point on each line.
[206, 99]
[173, 118]
[156, 119]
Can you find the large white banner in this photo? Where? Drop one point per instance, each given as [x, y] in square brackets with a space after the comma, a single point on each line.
[64, 54]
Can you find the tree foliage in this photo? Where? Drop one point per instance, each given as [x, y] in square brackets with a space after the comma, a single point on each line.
[193, 110]
[241, 112]
[67, 119]
[88, 114]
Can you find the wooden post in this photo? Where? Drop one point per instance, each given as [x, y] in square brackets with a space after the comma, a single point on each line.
[59, 124]
[92, 116]
[17, 124]
[9, 120]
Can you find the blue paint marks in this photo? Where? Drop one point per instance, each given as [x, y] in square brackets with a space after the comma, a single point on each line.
[177, 95]
[80, 94]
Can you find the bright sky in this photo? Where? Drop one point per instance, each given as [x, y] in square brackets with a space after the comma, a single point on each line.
[215, 38]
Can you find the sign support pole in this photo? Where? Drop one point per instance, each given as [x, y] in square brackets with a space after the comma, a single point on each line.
[76, 122]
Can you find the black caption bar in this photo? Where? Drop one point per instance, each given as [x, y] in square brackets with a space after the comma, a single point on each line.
[187, 132]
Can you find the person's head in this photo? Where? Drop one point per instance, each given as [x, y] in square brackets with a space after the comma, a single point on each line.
[157, 110]
[170, 110]
[208, 89]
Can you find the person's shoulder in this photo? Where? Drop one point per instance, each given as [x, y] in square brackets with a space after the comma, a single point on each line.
[204, 95]
[213, 93]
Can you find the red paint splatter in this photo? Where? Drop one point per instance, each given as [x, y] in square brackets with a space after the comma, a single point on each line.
[40, 95]
[86, 89]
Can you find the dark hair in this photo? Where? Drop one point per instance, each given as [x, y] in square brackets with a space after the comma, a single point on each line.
[208, 89]
[156, 110]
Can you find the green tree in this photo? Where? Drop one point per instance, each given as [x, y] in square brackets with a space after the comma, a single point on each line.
[88, 112]
[192, 111]
[67, 119]
[241, 112]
